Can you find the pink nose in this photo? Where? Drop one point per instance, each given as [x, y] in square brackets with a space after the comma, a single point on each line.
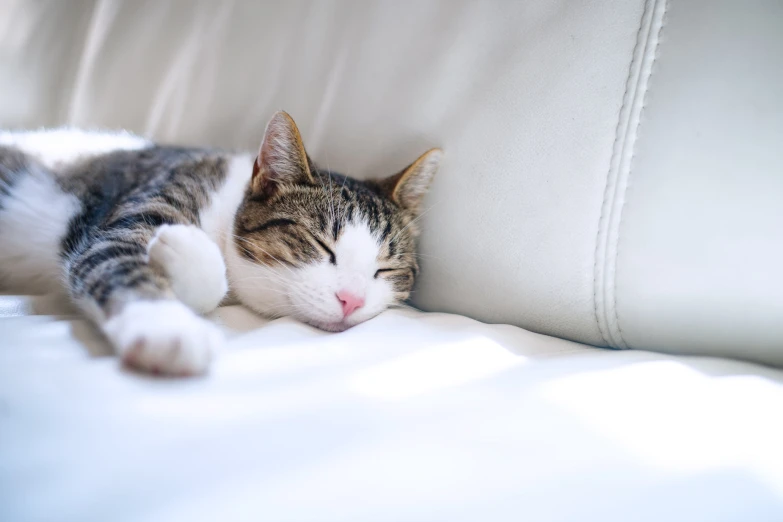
[351, 302]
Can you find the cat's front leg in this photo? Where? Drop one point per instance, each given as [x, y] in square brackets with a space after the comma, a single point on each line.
[163, 336]
[110, 278]
[193, 264]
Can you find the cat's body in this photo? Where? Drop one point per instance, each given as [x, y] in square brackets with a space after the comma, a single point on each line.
[143, 237]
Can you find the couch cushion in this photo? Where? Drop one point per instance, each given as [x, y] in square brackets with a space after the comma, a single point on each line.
[699, 246]
[410, 416]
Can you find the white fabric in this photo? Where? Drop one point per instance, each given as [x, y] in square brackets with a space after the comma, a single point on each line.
[411, 416]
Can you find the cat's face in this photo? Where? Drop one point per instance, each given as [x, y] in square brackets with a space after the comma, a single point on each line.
[324, 248]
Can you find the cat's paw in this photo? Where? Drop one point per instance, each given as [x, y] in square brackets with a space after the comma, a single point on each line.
[163, 337]
[193, 264]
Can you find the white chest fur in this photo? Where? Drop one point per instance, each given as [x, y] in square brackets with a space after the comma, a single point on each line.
[217, 218]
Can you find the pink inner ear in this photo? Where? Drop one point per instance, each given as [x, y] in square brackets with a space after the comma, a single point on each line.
[256, 167]
[281, 155]
[269, 153]
[257, 183]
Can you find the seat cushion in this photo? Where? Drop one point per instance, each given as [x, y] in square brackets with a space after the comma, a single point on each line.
[410, 416]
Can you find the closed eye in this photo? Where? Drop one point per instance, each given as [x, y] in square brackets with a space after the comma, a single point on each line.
[269, 224]
[381, 271]
[332, 257]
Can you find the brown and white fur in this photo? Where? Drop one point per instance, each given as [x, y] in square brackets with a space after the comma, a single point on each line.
[144, 238]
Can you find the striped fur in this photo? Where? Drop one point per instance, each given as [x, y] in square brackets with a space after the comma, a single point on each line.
[296, 235]
[300, 224]
[126, 197]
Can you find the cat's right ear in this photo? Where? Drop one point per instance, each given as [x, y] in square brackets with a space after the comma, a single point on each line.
[282, 158]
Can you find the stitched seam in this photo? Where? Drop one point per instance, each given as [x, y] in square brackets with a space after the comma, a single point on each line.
[644, 76]
[604, 221]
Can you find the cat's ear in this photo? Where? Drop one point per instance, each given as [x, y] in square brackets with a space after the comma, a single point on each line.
[281, 158]
[408, 188]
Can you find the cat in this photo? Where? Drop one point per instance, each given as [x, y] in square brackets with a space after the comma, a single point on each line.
[146, 238]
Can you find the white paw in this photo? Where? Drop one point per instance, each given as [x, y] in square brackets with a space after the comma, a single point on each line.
[163, 337]
[193, 264]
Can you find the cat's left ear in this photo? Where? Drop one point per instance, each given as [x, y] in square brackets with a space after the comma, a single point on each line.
[281, 158]
[408, 188]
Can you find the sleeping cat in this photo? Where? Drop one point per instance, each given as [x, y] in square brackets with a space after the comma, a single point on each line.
[144, 237]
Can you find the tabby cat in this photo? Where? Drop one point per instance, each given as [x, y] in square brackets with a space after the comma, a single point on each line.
[145, 237]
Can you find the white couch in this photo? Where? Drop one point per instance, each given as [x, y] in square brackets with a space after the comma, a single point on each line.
[614, 178]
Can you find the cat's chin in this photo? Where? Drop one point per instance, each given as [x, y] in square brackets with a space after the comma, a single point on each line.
[329, 327]
[337, 326]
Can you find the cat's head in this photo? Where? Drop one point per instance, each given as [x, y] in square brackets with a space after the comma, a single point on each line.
[327, 249]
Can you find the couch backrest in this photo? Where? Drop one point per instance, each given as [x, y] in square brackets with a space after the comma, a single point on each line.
[613, 172]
